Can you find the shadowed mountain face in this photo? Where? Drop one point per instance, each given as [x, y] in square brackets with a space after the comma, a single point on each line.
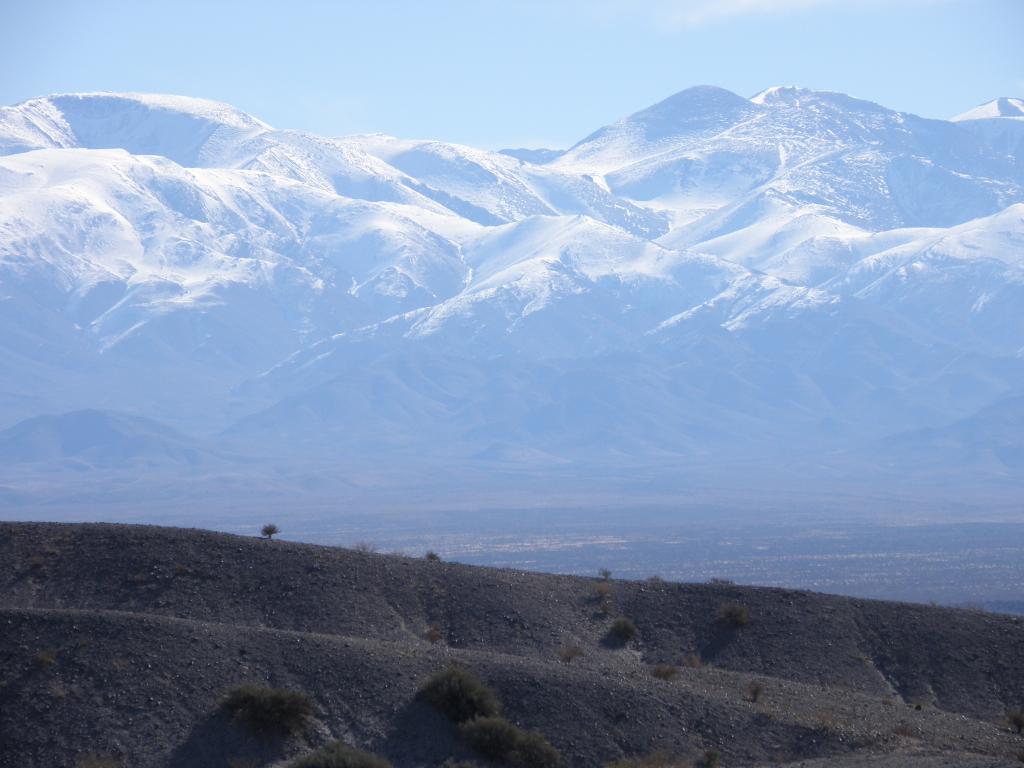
[96, 439]
[783, 281]
[102, 623]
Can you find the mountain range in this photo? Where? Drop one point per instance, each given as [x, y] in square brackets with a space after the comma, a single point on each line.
[799, 287]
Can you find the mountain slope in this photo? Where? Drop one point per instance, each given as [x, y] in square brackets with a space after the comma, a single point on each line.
[779, 279]
[129, 619]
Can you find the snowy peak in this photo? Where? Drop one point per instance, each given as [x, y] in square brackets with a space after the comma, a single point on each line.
[688, 115]
[709, 274]
[186, 130]
[1004, 106]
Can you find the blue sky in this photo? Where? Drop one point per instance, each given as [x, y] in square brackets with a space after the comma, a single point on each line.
[505, 73]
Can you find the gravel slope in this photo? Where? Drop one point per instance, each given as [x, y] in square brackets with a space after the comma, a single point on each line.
[120, 640]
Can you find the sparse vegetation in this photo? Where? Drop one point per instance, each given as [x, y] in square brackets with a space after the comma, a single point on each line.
[693, 661]
[460, 695]
[182, 570]
[712, 758]
[655, 581]
[269, 530]
[605, 574]
[45, 658]
[733, 615]
[570, 652]
[497, 739]
[716, 582]
[904, 729]
[665, 671]
[339, 755]
[1015, 719]
[653, 760]
[432, 556]
[434, 634]
[755, 690]
[365, 546]
[268, 710]
[622, 631]
[97, 761]
[602, 590]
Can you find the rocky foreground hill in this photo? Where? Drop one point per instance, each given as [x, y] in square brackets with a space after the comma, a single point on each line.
[119, 644]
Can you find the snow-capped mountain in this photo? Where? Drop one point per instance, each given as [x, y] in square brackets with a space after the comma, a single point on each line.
[778, 279]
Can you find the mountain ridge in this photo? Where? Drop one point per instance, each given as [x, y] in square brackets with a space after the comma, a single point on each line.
[707, 277]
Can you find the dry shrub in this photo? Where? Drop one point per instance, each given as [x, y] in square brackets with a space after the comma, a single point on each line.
[497, 739]
[693, 661]
[268, 710]
[432, 556]
[755, 690]
[570, 652]
[602, 590]
[434, 634]
[339, 755]
[653, 760]
[1015, 719]
[665, 671]
[712, 758]
[733, 615]
[460, 695]
[45, 658]
[622, 631]
[97, 761]
[904, 728]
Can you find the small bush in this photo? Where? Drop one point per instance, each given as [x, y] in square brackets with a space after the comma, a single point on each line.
[693, 661]
[434, 634]
[1015, 719]
[268, 710]
[904, 729]
[712, 758]
[665, 671]
[432, 556]
[47, 657]
[716, 582]
[269, 530]
[460, 695]
[339, 755]
[97, 761]
[734, 615]
[755, 690]
[653, 760]
[35, 562]
[365, 546]
[569, 653]
[622, 631]
[497, 739]
[605, 574]
[655, 581]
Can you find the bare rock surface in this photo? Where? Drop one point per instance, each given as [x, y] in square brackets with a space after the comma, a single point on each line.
[119, 642]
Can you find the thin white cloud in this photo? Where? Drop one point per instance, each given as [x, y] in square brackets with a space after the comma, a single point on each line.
[695, 13]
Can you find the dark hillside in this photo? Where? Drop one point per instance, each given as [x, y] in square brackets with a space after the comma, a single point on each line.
[120, 641]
